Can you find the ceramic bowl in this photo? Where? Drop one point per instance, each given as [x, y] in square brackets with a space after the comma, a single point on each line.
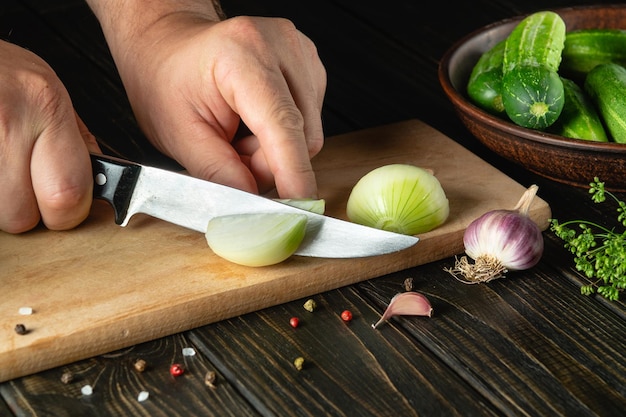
[569, 161]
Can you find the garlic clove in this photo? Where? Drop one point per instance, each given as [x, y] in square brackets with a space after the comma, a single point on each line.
[408, 303]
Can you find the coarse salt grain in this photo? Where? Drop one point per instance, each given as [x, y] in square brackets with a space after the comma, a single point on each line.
[25, 311]
[188, 351]
[86, 390]
[143, 396]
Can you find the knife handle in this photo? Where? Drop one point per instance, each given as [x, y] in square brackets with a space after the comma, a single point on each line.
[114, 181]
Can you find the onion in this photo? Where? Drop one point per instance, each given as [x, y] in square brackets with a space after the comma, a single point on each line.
[500, 241]
[256, 239]
[313, 205]
[398, 198]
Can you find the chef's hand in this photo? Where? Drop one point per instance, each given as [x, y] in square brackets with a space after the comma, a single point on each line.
[191, 79]
[45, 171]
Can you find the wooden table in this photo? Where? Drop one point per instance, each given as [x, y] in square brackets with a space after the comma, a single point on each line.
[527, 345]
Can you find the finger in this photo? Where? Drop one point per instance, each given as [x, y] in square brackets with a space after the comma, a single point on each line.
[18, 205]
[279, 100]
[37, 179]
[264, 103]
[61, 173]
[279, 126]
[308, 90]
[252, 155]
[207, 154]
[88, 137]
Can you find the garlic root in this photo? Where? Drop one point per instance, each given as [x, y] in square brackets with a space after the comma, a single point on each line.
[484, 269]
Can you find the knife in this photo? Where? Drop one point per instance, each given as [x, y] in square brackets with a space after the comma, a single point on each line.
[190, 202]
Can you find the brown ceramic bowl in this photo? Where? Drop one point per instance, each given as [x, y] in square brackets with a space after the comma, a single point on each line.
[569, 161]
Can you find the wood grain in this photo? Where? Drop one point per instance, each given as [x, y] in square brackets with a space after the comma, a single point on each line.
[116, 385]
[101, 287]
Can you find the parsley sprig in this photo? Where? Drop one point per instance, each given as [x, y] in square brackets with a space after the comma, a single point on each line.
[599, 252]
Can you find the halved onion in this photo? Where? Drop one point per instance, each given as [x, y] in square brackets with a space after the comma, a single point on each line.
[256, 239]
[399, 198]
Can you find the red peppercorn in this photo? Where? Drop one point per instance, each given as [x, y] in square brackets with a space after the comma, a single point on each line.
[346, 315]
[177, 369]
[294, 322]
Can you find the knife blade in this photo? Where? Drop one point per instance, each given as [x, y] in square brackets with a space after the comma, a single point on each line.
[131, 188]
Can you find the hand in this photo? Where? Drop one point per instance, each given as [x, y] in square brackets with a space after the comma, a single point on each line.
[191, 81]
[45, 171]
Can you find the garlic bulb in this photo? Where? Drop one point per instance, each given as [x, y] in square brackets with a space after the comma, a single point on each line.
[398, 198]
[500, 241]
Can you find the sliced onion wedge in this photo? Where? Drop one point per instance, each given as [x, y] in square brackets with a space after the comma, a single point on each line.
[256, 239]
[313, 205]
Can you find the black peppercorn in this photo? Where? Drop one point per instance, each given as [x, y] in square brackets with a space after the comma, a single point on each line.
[20, 329]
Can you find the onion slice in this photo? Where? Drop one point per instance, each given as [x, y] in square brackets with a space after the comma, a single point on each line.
[313, 205]
[256, 239]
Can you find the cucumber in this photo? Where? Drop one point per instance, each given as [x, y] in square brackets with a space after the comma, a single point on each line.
[586, 48]
[532, 90]
[538, 39]
[533, 96]
[485, 83]
[579, 118]
[606, 85]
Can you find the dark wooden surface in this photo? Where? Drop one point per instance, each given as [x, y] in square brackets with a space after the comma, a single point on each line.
[528, 345]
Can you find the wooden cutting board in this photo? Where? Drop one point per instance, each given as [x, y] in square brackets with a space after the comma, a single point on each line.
[101, 287]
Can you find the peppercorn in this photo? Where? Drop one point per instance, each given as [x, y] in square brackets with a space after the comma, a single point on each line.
[310, 305]
[140, 365]
[299, 363]
[20, 329]
[346, 315]
[67, 377]
[209, 379]
[294, 322]
[177, 369]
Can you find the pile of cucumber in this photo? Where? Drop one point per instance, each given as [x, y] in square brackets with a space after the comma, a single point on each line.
[542, 77]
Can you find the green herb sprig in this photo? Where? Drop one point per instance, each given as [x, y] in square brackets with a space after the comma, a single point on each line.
[599, 252]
